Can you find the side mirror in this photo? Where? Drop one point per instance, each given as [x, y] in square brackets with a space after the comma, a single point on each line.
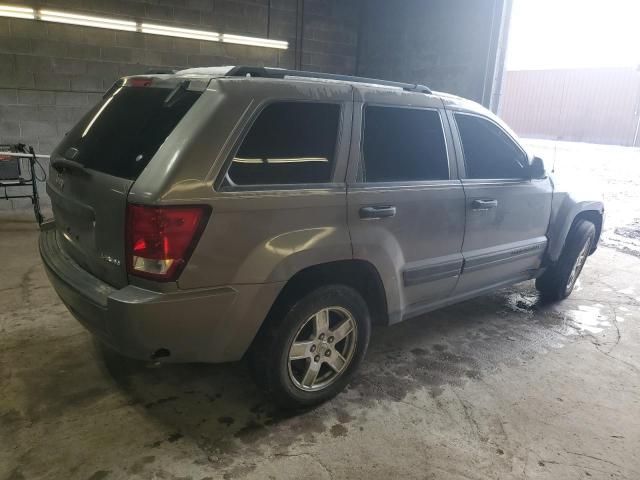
[536, 169]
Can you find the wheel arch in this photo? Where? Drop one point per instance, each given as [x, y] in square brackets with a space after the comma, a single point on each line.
[594, 217]
[358, 274]
[558, 234]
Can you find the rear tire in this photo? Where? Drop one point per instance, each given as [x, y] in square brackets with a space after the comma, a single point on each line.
[558, 281]
[308, 353]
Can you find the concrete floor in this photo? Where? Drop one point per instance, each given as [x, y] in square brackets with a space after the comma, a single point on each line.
[499, 387]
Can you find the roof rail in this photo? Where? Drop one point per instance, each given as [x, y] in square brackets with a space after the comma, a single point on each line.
[268, 72]
[159, 71]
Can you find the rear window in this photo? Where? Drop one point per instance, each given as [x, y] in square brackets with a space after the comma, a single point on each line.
[122, 133]
[289, 143]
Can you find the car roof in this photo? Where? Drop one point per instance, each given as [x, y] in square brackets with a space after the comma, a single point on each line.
[283, 73]
[234, 72]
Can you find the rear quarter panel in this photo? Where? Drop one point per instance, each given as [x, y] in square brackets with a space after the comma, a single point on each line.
[258, 235]
[263, 237]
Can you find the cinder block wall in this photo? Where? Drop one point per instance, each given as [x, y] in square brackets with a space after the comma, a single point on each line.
[446, 44]
[51, 74]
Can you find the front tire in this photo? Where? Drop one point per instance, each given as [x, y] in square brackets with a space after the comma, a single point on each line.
[309, 354]
[559, 279]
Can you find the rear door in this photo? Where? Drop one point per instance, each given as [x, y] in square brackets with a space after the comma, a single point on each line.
[95, 165]
[405, 203]
[507, 212]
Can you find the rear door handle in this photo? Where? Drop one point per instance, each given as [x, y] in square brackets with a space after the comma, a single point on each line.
[484, 204]
[370, 213]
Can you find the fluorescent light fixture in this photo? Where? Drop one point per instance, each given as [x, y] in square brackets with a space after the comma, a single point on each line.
[248, 160]
[256, 42]
[297, 160]
[58, 16]
[87, 20]
[179, 32]
[17, 12]
[280, 160]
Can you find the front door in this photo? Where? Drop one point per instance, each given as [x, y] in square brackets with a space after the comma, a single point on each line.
[507, 211]
[405, 203]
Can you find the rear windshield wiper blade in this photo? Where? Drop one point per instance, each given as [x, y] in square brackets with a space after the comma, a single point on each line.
[61, 164]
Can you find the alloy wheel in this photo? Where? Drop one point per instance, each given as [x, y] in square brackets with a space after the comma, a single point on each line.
[322, 348]
[578, 265]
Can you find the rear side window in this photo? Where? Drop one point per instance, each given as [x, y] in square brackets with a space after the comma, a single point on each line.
[289, 143]
[120, 135]
[488, 151]
[403, 144]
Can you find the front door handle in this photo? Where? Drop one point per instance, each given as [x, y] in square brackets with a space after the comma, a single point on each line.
[371, 213]
[484, 204]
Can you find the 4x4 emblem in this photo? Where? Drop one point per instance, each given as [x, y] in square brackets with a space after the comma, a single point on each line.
[110, 259]
[59, 180]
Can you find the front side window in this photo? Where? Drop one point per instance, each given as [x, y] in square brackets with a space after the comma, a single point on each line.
[488, 151]
[403, 144]
[289, 143]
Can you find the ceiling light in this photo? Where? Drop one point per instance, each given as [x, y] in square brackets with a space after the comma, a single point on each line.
[297, 160]
[17, 12]
[87, 20]
[257, 42]
[180, 32]
[248, 160]
[132, 26]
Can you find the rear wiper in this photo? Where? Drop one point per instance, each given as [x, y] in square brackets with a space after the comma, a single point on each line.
[68, 162]
[61, 164]
[113, 88]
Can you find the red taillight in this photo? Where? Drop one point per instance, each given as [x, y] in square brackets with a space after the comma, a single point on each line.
[161, 239]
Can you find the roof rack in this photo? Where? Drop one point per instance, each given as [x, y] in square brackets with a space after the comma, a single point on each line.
[159, 71]
[268, 72]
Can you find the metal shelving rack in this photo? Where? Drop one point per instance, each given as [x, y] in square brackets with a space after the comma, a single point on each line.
[17, 171]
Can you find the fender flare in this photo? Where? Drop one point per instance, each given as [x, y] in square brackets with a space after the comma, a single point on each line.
[565, 218]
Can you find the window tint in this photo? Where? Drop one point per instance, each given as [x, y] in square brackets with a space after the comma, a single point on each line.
[488, 151]
[289, 143]
[403, 144]
[122, 133]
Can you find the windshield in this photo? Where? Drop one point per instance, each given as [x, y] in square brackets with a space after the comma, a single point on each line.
[122, 133]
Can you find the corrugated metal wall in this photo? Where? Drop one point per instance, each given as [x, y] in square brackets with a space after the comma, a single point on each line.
[582, 105]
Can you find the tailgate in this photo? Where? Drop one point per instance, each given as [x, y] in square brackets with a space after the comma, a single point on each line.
[89, 210]
[98, 161]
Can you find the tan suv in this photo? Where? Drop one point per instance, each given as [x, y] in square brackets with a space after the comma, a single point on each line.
[217, 212]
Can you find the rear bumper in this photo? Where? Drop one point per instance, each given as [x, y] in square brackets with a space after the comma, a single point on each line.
[209, 325]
